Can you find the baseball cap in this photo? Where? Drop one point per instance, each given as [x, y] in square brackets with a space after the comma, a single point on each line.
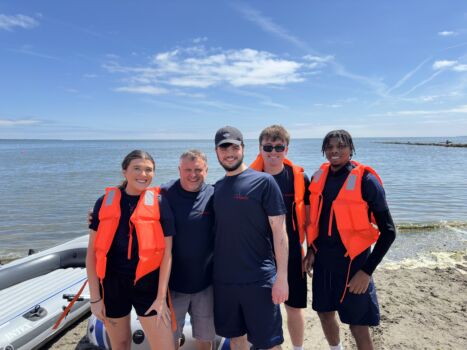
[228, 134]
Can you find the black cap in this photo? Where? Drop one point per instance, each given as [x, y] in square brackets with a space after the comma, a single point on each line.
[228, 134]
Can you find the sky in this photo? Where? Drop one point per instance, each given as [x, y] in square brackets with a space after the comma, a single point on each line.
[147, 69]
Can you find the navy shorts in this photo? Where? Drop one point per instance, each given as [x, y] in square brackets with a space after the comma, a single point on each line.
[356, 309]
[248, 309]
[297, 281]
[120, 294]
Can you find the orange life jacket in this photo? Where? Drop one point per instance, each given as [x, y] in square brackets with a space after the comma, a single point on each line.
[145, 219]
[299, 193]
[356, 230]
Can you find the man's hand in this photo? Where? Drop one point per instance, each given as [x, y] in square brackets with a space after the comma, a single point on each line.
[280, 290]
[359, 282]
[308, 262]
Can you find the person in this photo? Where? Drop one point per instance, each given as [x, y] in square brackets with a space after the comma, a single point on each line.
[273, 147]
[190, 281]
[250, 228]
[347, 200]
[129, 256]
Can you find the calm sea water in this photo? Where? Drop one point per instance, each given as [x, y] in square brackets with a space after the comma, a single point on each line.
[47, 187]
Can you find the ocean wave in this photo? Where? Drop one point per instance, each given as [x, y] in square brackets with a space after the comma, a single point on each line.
[460, 226]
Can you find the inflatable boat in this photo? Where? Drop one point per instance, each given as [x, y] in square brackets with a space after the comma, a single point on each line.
[34, 291]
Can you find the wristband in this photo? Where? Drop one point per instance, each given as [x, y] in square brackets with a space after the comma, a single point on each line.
[96, 301]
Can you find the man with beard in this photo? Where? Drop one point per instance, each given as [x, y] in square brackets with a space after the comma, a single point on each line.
[250, 240]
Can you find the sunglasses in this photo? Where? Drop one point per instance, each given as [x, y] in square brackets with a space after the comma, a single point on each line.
[277, 148]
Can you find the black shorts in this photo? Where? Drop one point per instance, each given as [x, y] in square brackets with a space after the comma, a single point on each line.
[355, 309]
[120, 293]
[248, 309]
[297, 281]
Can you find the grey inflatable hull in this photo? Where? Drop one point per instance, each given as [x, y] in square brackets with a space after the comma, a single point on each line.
[34, 291]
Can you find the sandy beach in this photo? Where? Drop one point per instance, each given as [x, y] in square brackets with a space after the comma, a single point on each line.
[421, 308]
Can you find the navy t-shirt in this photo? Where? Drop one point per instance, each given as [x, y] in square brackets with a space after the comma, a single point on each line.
[285, 180]
[243, 249]
[193, 246]
[331, 250]
[117, 259]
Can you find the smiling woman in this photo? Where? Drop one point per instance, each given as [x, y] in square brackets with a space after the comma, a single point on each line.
[127, 218]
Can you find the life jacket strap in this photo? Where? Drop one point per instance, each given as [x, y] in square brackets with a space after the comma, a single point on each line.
[331, 216]
[172, 312]
[130, 240]
[346, 282]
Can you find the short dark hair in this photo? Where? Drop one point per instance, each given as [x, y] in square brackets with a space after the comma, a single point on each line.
[343, 136]
[193, 154]
[275, 132]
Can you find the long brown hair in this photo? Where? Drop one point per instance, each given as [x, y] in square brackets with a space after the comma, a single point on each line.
[135, 154]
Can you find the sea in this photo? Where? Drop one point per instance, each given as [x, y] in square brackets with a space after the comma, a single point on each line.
[48, 186]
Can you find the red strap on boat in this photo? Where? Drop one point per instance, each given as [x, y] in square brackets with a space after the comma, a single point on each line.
[70, 305]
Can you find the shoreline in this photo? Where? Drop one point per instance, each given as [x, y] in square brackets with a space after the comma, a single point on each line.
[440, 144]
[421, 308]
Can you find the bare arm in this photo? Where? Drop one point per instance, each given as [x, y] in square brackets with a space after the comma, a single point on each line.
[308, 259]
[280, 289]
[97, 305]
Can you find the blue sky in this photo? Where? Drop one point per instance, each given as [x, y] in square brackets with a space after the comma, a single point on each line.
[175, 69]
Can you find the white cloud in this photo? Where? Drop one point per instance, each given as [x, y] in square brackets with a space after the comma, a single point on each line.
[460, 68]
[443, 64]
[201, 68]
[19, 122]
[447, 33]
[452, 65]
[21, 21]
[147, 89]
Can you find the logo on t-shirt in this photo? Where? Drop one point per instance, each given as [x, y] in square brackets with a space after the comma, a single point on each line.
[239, 197]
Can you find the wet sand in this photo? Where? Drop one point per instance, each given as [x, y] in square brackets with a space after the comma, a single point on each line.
[421, 308]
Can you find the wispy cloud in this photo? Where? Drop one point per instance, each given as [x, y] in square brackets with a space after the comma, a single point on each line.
[269, 26]
[324, 105]
[201, 68]
[451, 65]
[18, 122]
[462, 109]
[17, 21]
[29, 50]
[407, 76]
[148, 90]
[443, 64]
[448, 33]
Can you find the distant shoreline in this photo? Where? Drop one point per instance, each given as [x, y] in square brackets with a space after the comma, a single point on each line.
[447, 143]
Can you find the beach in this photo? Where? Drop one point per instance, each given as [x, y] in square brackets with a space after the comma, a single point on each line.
[423, 306]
